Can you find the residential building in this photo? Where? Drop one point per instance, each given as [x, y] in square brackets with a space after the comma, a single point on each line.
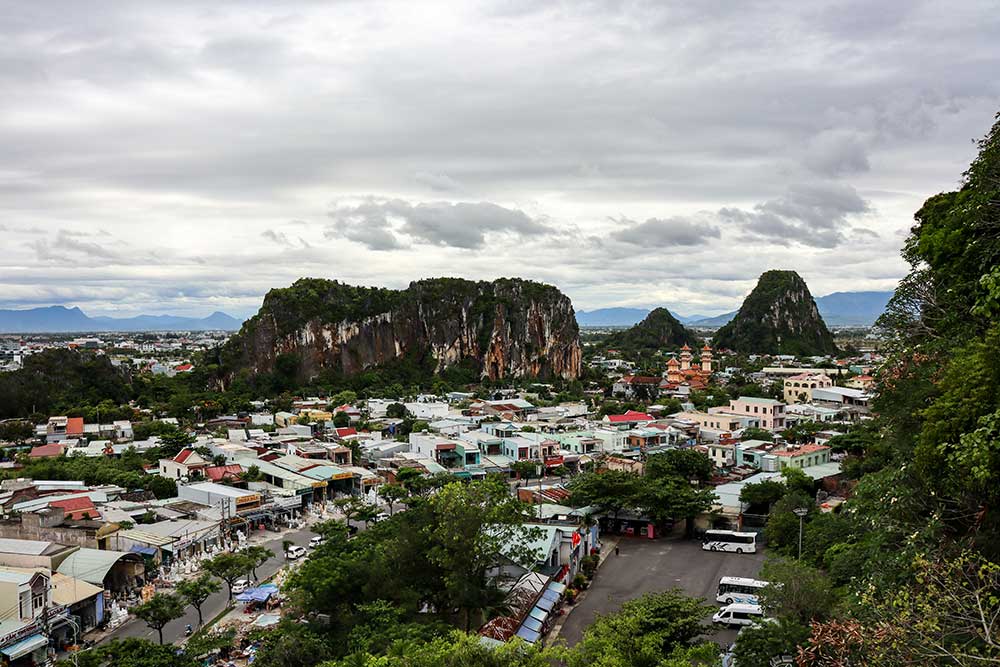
[799, 388]
[769, 411]
[186, 464]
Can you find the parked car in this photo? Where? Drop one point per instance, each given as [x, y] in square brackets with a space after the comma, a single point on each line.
[738, 613]
[316, 541]
[295, 552]
[381, 516]
[240, 585]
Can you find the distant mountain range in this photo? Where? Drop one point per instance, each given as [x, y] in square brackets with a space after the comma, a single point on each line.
[838, 309]
[59, 319]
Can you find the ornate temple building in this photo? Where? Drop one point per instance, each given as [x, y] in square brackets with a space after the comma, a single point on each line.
[686, 372]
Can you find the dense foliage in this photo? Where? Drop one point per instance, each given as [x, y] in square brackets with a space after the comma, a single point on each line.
[670, 490]
[778, 317]
[660, 330]
[56, 380]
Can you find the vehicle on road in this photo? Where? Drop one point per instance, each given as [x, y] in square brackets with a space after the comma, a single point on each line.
[240, 585]
[316, 541]
[739, 589]
[295, 552]
[738, 614]
[729, 540]
[381, 516]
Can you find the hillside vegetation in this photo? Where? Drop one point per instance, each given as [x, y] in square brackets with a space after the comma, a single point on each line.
[778, 317]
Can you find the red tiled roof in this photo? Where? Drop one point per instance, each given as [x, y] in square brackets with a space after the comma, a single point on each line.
[75, 508]
[804, 449]
[640, 379]
[47, 451]
[346, 431]
[184, 367]
[183, 455]
[630, 416]
[74, 426]
[220, 473]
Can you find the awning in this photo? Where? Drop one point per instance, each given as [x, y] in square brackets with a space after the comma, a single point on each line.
[557, 587]
[146, 551]
[545, 604]
[532, 624]
[528, 635]
[550, 595]
[538, 614]
[25, 646]
[258, 594]
[462, 474]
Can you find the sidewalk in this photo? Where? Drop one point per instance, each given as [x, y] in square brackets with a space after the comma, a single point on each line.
[607, 548]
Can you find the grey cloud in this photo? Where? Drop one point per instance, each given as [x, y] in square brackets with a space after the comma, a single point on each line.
[836, 153]
[661, 232]
[382, 224]
[807, 214]
[437, 181]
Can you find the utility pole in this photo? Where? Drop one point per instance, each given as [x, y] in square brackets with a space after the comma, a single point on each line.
[800, 512]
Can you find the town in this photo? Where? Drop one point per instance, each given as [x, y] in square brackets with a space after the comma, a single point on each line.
[242, 499]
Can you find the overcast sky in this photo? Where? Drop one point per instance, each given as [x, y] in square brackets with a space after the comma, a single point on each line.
[184, 157]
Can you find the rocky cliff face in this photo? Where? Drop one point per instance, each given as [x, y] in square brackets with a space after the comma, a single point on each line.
[506, 328]
[778, 317]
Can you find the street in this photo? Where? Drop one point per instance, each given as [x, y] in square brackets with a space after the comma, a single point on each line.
[174, 630]
[646, 566]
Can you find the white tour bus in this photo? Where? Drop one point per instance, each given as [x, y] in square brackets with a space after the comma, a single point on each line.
[738, 613]
[729, 540]
[739, 589]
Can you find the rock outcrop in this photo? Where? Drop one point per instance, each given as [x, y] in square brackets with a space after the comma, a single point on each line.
[505, 328]
[660, 330]
[778, 317]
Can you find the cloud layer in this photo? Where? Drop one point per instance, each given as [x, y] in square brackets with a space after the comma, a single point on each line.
[173, 156]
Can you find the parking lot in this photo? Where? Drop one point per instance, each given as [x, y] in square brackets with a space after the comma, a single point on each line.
[645, 566]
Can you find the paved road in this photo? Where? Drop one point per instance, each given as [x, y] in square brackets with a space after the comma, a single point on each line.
[174, 630]
[646, 566]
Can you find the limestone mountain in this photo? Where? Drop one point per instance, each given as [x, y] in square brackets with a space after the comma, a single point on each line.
[503, 328]
[659, 330]
[778, 317]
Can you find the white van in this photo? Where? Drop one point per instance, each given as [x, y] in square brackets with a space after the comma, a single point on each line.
[738, 613]
[295, 552]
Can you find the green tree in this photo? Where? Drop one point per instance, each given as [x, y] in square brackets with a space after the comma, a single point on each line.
[689, 464]
[252, 474]
[643, 632]
[355, 507]
[392, 494]
[292, 645]
[762, 642]
[782, 530]
[257, 556]
[762, 494]
[796, 592]
[132, 652]
[608, 490]
[754, 433]
[160, 610]
[456, 650]
[475, 527]
[229, 567]
[341, 420]
[196, 591]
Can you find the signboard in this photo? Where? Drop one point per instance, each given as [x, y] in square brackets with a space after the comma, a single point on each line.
[246, 500]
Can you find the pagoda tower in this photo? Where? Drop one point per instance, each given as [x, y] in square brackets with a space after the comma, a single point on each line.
[685, 357]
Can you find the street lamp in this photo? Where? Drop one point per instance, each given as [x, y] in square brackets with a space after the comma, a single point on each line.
[801, 513]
